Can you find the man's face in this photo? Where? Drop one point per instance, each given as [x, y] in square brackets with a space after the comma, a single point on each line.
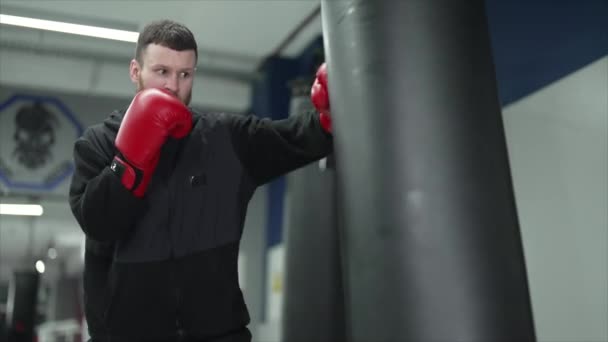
[165, 68]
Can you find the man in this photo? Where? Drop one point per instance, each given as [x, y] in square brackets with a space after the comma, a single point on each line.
[161, 192]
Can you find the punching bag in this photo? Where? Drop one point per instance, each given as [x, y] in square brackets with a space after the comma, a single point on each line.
[313, 307]
[21, 305]
[431, 239]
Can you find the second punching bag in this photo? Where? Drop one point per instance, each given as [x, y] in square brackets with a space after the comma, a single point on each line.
[313, 305]
[432, 244]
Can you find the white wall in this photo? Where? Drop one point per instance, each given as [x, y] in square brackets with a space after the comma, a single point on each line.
[57, 224]
[558, 147]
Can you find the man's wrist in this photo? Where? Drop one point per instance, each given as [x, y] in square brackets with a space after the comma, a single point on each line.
[129, 176]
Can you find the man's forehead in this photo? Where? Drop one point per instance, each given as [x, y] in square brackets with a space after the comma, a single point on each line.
[159, 54]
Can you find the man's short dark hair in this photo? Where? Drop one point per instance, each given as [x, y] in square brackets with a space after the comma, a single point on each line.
[168, 34]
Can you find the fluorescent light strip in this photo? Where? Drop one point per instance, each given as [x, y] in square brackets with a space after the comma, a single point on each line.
[21, 209]
[57, 26]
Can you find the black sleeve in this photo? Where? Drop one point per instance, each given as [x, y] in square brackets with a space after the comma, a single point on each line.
[103, 207]
[269, 149]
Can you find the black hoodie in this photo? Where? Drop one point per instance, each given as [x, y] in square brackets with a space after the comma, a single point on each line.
[166, 264]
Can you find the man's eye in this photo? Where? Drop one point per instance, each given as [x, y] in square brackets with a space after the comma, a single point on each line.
[161, 71]
[184, 74]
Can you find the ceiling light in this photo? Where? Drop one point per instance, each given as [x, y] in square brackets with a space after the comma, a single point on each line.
[21, 209]
[58, 26]
[40, 267]
[52, 253]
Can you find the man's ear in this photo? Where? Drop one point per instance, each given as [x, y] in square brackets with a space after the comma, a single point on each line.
[134, 70]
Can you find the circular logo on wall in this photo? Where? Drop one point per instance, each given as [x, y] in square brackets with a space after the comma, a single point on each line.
[37, 135]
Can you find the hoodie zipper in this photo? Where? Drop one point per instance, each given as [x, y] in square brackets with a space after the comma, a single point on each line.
[173, 263]
[175, 186]
[177, 294]
[175, 283]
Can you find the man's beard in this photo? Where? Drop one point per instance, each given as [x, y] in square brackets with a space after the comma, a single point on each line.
[140, 87]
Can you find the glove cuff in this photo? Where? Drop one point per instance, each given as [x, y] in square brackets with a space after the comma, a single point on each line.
[129, 176]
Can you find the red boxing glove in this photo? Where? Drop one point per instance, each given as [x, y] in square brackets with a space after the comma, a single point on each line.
[319, 95]
[152, 117]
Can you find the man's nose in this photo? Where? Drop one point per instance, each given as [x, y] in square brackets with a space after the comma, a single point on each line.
[171, 84]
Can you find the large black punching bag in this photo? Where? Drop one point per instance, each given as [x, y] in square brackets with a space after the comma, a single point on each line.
[432, 244]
